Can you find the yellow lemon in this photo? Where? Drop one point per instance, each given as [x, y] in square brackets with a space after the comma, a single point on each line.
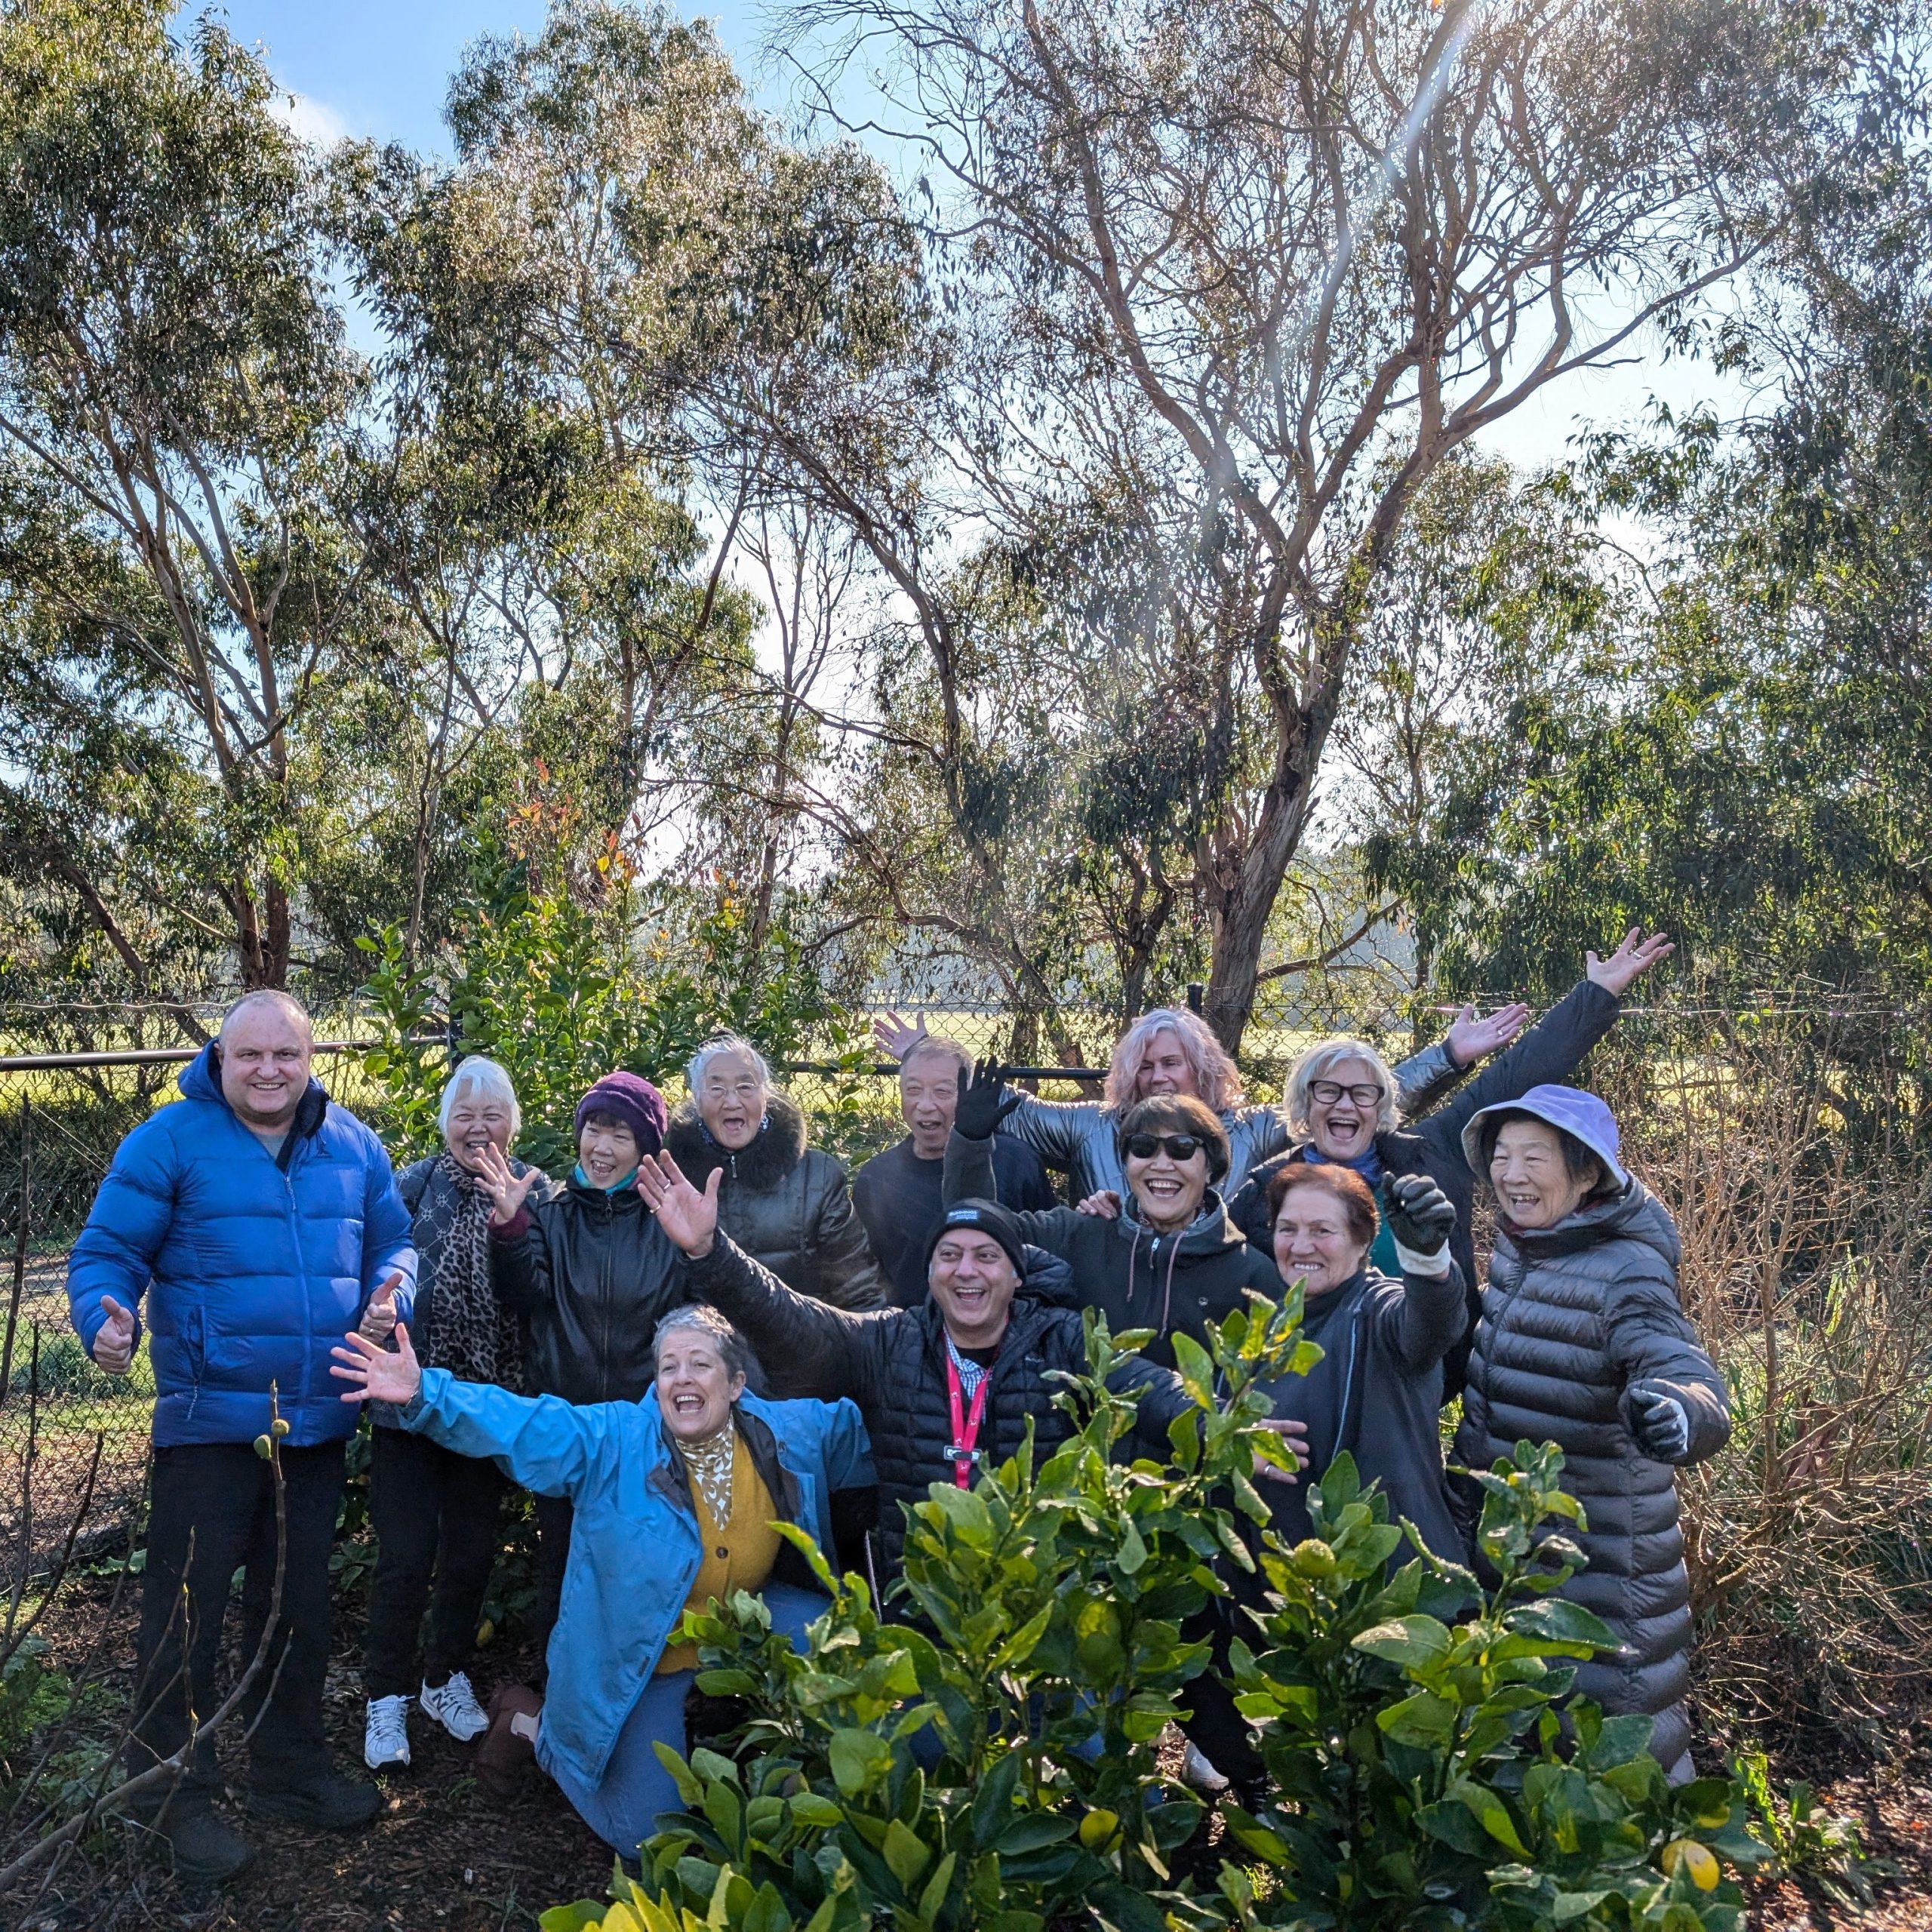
[279, 1426]
[1313, 1558]
[485, 1631]
[1696, 1859]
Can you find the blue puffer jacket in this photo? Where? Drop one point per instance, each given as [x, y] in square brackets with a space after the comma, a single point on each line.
[258, 1268]
[634, 1539]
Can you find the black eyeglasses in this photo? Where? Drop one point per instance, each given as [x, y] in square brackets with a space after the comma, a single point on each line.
[1328, 1092]
[1178, 1146]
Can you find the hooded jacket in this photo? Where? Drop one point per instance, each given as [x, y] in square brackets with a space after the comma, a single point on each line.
[633, 1550]
[1376, 1393]
[893, 1363]
[785, 1203]
[1573, 1315]
[592, 1274]
[1433, 1145]
[255, 1266]
[1135, 1277]
[1078, 1136]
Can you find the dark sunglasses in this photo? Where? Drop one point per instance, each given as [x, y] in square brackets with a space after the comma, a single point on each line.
[1178, 1146]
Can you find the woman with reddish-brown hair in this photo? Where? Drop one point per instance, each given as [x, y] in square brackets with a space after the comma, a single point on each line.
[1377, 1390]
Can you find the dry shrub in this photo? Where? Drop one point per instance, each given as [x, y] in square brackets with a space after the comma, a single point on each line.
[1806, 1270]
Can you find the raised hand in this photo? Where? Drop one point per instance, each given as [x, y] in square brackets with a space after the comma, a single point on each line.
[1659, 1424]
[984, 1101]
[895, 1038]
[1470, 1038]
[1104, 1203]
[688, 1217]
[379, 1317]
[1636, 955]
[1294, 1434]
[114, 1341]
[507, 1190]
[374, 1374]
[1419, 1215]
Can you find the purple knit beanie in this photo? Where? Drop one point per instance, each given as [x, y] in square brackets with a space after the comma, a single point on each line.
[634, 1101]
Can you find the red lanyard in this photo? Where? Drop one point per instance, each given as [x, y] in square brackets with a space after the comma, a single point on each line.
[965, 1422]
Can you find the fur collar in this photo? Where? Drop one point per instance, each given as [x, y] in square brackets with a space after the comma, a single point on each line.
[772, 1155]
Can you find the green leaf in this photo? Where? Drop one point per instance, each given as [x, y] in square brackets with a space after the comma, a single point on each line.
[1031, 1831]
[1424, 1720]
[1410, 1640]
[906, 1857]
[573, 1918]
[858, 1758]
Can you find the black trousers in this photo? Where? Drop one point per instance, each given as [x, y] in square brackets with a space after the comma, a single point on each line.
[435, 1516]
[554, 1514]
[211, 1511]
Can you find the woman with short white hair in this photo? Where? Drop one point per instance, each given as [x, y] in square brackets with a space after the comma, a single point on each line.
[435, 1512]
[1171, 1050]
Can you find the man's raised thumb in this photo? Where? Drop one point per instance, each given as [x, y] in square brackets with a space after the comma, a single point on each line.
[115, 1312]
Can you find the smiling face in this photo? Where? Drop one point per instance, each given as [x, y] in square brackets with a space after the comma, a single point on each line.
[730, 1099]
[928, 1099]
[1342, 1109]
[265, 1053]
[973, 1282]
[477, 1120]
[1164, 1068]
[1313, 1241]
[1534, 1187]
[607, 1150]
[695, 1388]
[1168, 1192]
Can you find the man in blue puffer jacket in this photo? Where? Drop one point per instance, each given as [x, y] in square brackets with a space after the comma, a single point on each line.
[259, 1219]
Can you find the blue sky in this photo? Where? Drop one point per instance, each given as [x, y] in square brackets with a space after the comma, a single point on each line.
[380, 68]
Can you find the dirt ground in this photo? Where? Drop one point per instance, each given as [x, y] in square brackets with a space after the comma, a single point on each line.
[441, 1856]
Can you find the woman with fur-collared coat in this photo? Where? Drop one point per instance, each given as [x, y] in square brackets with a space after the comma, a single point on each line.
[786, 1204]
[1583, 1342]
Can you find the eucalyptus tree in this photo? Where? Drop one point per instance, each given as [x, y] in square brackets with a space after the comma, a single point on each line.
[1259, 269]
[176, 393]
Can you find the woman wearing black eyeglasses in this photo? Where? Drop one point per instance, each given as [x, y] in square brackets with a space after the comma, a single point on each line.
[1172, 1260]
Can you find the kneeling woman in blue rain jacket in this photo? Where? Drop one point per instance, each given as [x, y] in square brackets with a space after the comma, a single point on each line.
[675, 1497]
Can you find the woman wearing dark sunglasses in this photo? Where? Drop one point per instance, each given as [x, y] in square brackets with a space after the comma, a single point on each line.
[1172, 1260]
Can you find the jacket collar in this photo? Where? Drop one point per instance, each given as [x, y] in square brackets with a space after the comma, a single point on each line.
[772, 1153]
[1208, 1233]
[671, 1478]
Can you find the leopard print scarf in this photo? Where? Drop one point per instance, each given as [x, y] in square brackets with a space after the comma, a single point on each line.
[470, 1333]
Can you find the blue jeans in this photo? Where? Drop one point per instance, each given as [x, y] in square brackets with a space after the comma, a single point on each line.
[622, 1807]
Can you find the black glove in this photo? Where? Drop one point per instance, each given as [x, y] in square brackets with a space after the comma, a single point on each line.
[1419, 1215]
[1659, 1424]
[984, 1103]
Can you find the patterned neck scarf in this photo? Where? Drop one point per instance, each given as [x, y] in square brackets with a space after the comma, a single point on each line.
[470, 1333]
[708, 1464]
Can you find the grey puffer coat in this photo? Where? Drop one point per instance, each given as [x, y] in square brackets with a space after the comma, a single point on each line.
[1572, 1316]
[1078, 1136]
[787, 1205]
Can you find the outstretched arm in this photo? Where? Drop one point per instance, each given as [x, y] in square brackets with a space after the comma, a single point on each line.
[814, 1349]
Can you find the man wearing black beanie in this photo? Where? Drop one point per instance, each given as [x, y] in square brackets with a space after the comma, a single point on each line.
[946, 1388]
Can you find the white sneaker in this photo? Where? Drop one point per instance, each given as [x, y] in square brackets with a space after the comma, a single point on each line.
[1197, 1771]
[386, 1735]
[455, 1708]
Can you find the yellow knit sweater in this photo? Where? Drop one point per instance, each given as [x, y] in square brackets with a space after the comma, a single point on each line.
[738, 1553]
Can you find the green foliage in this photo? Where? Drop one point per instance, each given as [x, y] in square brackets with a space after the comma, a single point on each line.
[561, 989]
[32, 1693]
[990, 1763]
[1810, 1843]
[1409, 1726]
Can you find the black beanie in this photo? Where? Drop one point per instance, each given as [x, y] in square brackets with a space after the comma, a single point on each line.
[987, 1217]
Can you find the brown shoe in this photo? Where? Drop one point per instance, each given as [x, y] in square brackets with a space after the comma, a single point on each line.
[509, 1746]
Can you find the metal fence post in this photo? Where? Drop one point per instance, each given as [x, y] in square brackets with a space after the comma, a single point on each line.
[19, 1249]
[1196, 993]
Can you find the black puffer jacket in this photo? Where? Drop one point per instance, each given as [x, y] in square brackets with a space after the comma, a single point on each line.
[893, 1363]
[1135, 1278]
[1574, 1315]
[1433, 1145]
[592, 1274]
[786, 1204]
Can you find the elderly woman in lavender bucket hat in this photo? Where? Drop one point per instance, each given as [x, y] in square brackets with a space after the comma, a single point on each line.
[1582, 1342]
